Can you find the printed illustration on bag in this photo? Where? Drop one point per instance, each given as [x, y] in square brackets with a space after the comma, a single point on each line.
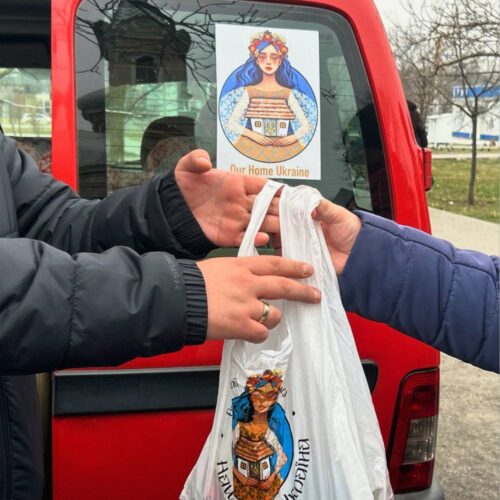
[262, 439]
[268, 110]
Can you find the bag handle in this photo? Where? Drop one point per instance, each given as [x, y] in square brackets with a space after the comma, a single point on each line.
[259, 211]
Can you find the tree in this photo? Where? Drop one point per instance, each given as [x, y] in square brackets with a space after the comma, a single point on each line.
[452, 49]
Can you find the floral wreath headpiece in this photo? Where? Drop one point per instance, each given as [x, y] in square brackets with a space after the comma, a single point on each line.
[278, 42]
[273, 377]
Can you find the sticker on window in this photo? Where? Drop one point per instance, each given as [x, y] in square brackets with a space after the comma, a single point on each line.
[268, 101]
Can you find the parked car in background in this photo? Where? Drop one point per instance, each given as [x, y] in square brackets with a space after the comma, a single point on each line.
[133, 89]
[40, 118]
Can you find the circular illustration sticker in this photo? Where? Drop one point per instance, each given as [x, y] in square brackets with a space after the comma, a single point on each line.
[267, 109]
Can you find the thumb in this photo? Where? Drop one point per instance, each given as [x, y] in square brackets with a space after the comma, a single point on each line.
[326, 212]
[197, 161]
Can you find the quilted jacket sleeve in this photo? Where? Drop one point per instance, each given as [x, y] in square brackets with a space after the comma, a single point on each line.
[426, 288]
[60, 310]
[150, 217]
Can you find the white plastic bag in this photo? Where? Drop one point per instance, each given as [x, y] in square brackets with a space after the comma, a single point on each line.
[294, 417]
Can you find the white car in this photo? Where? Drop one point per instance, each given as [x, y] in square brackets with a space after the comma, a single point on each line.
[38, 118]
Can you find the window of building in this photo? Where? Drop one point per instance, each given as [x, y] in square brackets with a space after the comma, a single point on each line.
[25, 111]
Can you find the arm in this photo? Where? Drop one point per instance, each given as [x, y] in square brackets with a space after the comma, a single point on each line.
[236, 436]
[234, 122]
[241, 478]
[305, 126]
[273, 441]
[153, 216]
[418, 284]
[58, 311]
[62, 311]
[186, 212]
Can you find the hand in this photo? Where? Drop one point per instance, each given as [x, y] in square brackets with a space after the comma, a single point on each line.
[236, 285]
[251, 482]
[222, 201]
[245, 481]
[286, 141]
[341, 228]
[258, 138]
[265, 485]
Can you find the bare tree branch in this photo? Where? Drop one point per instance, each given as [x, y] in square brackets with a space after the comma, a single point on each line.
[453, 43]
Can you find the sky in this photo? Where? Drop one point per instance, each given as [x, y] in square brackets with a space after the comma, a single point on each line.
[392, 11]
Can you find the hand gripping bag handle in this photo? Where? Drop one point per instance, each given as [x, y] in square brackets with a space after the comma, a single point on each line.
[237, 357]
[275, 351]
[302, 239]
[259, 211]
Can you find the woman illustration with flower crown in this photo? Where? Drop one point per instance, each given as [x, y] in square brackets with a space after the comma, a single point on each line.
[267, 109]
[262, 440]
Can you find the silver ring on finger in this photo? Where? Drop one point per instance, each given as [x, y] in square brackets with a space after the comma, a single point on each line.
[266, 311]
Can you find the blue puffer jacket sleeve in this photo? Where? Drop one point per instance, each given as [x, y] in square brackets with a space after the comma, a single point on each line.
[426, 288]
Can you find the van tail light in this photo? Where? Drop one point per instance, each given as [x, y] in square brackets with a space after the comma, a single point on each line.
[413, 441]
[428, 181]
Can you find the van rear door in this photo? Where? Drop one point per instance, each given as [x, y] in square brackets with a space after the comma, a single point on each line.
[133, 90]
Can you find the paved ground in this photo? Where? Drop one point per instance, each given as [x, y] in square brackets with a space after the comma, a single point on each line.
[468, 453]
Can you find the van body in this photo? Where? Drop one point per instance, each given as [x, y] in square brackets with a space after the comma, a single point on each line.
[133, 88]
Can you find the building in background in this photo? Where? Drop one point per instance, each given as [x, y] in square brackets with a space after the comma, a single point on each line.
[455, 127]
[25, 102]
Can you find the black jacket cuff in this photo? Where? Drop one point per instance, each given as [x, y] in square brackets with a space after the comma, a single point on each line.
[184, 226]
[196, 302]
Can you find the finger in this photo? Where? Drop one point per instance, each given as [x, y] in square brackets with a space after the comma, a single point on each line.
[253, 186]
[276, 287]
[276, 241]
[255, 332]
[270, 224]
[274, 207]
[261, 239]
[269, 265]
[197, 160]
[273, 317]
[327, 212]
[250, 184]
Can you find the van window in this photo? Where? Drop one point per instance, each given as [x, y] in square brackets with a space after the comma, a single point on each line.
[25, 111]
[146, 93]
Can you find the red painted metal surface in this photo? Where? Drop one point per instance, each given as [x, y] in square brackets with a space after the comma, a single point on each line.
[64, 165]
[148, 456]
[396, 355]
[124, 457]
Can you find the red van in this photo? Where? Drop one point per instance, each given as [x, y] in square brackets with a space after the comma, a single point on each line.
[127, 75]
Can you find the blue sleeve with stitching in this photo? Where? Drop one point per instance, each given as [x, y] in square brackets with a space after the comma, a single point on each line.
[426, 288]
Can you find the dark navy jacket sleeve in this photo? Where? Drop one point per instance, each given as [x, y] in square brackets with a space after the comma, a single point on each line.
[426, 288]
[150, 217]
[59, 311]
[63, 307]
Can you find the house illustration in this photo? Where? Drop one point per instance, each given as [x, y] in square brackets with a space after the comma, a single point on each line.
[270, 117]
